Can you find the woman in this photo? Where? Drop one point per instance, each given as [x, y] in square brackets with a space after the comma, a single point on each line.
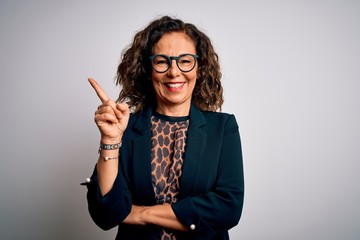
[171, 169]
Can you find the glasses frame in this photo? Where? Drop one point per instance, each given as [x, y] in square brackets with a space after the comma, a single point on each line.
[171, 58]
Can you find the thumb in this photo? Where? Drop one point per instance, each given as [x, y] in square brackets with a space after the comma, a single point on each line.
[124, 108]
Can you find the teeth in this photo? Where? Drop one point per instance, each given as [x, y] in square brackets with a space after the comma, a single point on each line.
[174, 85]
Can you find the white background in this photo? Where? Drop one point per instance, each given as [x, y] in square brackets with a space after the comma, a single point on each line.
[290, 74]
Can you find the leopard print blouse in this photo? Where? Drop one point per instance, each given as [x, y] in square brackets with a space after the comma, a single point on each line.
[167, 153]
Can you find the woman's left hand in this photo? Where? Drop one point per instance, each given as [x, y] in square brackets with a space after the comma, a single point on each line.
[160, 215]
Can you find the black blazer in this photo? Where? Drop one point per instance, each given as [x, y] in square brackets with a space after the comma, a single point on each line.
[211, 185]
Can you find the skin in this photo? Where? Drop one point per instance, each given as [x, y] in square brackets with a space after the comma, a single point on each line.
[112, 119]
[174, 101]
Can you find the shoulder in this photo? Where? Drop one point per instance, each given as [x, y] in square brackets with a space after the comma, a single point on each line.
[220, 118]
[139, 122]
[216, 115]
[134, 116]
[215, 123]
[140, 115]
[211, 119]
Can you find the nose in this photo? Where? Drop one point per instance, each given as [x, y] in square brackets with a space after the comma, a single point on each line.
[174, 70]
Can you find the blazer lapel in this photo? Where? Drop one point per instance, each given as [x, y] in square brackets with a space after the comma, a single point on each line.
[195, 146]
[142, 158]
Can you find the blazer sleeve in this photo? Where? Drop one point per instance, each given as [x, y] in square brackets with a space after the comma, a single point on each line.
[111, 209]
[219, 209]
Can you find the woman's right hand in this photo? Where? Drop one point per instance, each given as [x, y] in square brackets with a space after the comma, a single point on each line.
[110, 117]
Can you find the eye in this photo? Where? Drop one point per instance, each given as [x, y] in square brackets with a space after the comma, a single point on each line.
[185, 60]
[160, 60]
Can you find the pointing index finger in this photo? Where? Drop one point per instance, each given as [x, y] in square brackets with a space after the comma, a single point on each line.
[99, 91]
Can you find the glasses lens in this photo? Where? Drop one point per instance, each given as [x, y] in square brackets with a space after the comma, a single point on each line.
[160, 63]
[186, 62]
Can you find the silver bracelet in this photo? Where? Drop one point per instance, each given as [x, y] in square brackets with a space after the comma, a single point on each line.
[109, 146]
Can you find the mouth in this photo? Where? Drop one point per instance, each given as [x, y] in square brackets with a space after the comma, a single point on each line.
[174, 86]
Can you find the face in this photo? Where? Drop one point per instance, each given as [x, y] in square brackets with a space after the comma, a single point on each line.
[174, 88]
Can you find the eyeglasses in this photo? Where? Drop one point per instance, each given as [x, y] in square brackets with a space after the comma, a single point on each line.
[185, 62]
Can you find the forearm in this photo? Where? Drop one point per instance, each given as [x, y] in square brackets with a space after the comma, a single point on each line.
[160, 215]
[163, 215]
[107, 170]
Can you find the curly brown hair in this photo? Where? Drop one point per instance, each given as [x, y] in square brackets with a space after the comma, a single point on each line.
[134, 70]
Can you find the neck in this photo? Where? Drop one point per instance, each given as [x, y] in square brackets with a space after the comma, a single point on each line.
[174, 111]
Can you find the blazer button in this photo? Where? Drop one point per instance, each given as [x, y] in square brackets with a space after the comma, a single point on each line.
[192, 226]
[87, 181]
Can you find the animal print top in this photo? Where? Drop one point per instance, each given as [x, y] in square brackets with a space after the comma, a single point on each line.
[167, 153]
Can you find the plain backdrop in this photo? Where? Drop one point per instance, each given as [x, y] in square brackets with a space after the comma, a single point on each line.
[290, 75]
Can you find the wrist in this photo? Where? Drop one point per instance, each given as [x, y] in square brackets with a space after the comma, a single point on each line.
[109, 151]
[104, 146]
[144, 214]
[107, 140]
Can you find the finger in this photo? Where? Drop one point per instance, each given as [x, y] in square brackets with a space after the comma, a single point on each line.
[109, 107]
[124, 108]
[99, 91]
[105, 117]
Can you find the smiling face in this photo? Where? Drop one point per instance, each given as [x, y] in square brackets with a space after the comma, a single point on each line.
[174, 88]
